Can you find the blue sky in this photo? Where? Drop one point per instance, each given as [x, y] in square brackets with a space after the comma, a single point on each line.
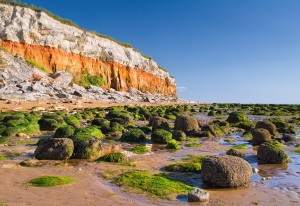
[245, 51]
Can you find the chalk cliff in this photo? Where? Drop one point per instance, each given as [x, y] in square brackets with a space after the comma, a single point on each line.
[56, 46]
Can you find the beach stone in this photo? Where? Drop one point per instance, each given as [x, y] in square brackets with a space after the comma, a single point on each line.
[267, 153]
[209, 128]
[54, 149]
[268, 126]
[62, 79]
[159, 123]
[179, 135]
[89, 148]
[161, 136]
[225, 171]
[60, 95]
[186, 123]
[234, 152]
[289, 138]
[198, 195]
[260, 136]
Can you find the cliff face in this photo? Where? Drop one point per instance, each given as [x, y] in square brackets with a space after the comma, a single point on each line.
[56, 46]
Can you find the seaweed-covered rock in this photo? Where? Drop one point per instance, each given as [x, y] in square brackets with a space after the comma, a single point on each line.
[161, 136]
[100, 122]
[47, 124]
[179, 135]
[87, 143]
[271, 153]
[172, 144]
[186, 123]
[235, 152]
[225, 171]
[209, 128]
[235, 117]
[159, 123]
[268, 126]
[87, 148]
[260, 136]
[64, 132]
[203, 134]
[54, 149]
[289, 138]
[72, 120]
[133, 135]
[115, 157]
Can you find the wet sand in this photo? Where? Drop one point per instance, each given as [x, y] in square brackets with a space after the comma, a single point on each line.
[92, 189]
[74, 104]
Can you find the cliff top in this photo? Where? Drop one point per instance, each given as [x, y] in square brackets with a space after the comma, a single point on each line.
[70, 23]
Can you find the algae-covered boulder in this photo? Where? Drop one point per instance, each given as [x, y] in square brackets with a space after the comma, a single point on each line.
[54, 149]
[236, 117]
[271, 153]
[179, 135]
[209, 128]
[268, 126]
[115, 157]
[161, 136]
[133, 135]
[235, 152]
[186, 123]
[47, 124]
[225, 171]
[159, 123]
[64, 132]
[289, 138]
[260, 136]
[87, 148]
[172, 144]
[87, 143]
[72, 120]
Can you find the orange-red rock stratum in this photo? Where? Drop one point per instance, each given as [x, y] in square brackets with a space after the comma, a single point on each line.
[115, 75]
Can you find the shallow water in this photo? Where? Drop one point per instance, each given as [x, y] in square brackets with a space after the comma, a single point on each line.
[282, 189]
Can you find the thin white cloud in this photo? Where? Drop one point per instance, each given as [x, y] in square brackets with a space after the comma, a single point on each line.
[182, 89]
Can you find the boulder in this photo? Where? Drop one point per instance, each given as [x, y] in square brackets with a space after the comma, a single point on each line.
[260, 136]
[289, 138]
[61, 95]
[133, 135]
[78, 88]
[236, 117]
[64, 132]
[159, 123]
[225, 171]
[161, 136]
[209, 128]
[235, 152]
[270, 153]
[186, 123]
[88, 147]
[179, 135]
[54, 149]
[268, 126]
[62, 79]
[198, 195]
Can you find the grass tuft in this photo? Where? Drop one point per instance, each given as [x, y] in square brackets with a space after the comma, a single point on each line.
[36, 65]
